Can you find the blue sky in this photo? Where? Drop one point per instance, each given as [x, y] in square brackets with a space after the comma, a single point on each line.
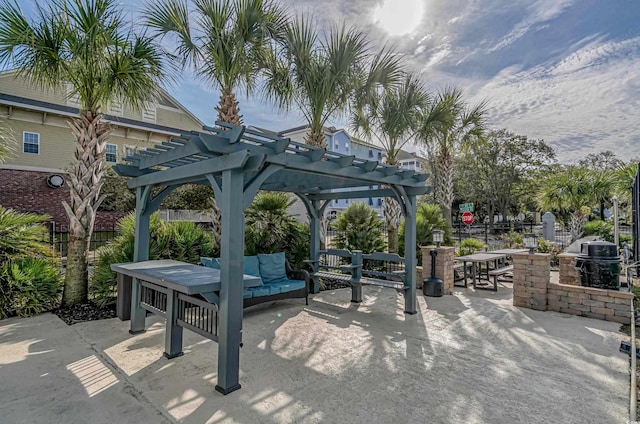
[566, 71]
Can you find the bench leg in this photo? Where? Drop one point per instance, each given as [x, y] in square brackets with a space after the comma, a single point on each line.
[173, 334]
[495, 283]
[138, 314]
[356, 292]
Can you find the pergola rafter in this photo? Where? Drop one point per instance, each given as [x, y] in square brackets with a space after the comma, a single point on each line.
[238, 162]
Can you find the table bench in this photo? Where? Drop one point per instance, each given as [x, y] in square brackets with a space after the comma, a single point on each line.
[458, 276]
[358, 269]
[495, 273]
[185, 295]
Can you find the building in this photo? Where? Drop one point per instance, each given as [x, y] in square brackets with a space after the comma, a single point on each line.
[408, 160]
[34, 178]
[339, 141]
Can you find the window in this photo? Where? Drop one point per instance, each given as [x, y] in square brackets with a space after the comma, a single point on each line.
[370, 201]
[370, 153]
[337, 145]
[347, 201]
[129, 150]
[111, 153]
[31, 143]
[346, 146]
[379, 155]
[379, 202]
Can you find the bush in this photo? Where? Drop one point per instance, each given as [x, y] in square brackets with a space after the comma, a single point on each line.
[359, 228]
[30, 281]
[599, 228]
[428, 218]
[545, 246]
[182, 241]
[513, 239]
[270, 228]
[29, 286]
[469, 246]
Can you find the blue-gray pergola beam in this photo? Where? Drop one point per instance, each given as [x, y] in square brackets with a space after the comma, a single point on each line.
[231, 281]
[213, 165]
[410, 263]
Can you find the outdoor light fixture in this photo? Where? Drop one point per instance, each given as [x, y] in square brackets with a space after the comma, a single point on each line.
[530, 242]
[55, 181]
[438, 237]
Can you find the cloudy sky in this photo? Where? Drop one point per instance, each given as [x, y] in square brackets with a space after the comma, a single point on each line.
[566, 71]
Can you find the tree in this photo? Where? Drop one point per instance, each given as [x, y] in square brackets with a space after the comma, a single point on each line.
[570, 191]
[428, 218]
[86, 49]
[322, 76]
[603, 164]
[496, 171]
[7, 142]
[226, 44]
[459, 126]
[391, 117]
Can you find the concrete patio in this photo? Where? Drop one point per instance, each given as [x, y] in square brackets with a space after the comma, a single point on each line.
[467, 358]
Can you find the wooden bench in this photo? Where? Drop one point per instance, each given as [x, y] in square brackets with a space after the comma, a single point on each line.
[459, 269]
[358, 269]
[495, 273]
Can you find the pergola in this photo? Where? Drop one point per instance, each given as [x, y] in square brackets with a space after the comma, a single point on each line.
[238, 162]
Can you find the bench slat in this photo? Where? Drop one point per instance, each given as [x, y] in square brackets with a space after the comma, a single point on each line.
[383, 283]
[500, 271]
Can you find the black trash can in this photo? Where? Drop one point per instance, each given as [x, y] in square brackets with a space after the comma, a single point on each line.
[432, 286]
[599, 265]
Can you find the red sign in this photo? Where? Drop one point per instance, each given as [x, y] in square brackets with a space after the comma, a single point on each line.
[467, 218]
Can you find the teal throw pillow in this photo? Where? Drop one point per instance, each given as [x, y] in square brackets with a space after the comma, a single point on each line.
[272, 268]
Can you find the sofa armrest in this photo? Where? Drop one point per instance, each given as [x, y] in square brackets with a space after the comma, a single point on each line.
[300, 274]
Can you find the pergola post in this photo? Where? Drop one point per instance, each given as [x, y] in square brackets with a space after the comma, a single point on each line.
[140, 253]
[410, 304]
[315, 223]
[231, 279]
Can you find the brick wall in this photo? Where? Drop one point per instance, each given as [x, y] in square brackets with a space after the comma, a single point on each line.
[444, 265]
[609, 305]
[568, 272]
[530, 279]
[27, 191]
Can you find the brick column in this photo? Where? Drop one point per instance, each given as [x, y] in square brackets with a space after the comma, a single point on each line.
[444, 265]
[568, 272]
[531, 275]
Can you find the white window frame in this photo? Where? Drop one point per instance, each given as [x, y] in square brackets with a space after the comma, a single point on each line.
[24, 133]
[108, 153]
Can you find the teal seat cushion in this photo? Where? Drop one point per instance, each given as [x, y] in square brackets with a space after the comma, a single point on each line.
[210, 262]
[247, 294]
[252, 266]
[274, 288]
[272, 268]
[291, 285]
[259, 291]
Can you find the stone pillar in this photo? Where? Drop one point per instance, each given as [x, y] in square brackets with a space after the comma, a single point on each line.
[531, 276]
[568, 272]
[549, 227]
[444, 265]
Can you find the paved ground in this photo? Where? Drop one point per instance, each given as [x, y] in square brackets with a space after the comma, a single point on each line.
[468, 358]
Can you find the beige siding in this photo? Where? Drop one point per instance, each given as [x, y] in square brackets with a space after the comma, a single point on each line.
[176, 118]
[9, 84]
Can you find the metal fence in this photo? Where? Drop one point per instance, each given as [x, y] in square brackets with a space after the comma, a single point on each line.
[59, 238]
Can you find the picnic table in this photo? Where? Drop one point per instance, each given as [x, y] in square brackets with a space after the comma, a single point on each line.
[185, 294]
[477, 259]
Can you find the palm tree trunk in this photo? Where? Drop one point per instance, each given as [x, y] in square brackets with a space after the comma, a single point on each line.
[315, 137]
[229, 111]
[86, 182]
[216, 224]
[577, 225]
[444, 183]
[392, 217]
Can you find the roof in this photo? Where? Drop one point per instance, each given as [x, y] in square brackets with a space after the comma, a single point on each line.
[404, 155]
[271, 162]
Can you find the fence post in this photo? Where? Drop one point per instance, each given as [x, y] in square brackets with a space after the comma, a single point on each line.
[486, 234]
[52, 234]
[459, 231]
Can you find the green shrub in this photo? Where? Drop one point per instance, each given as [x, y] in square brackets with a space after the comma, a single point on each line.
[545, 246]
[513, 239]
[469, 246]
[428, 218]
[182, 241]
[359, 228]
[599, 228]
[270, 228]
[29, 286]
[29, 271]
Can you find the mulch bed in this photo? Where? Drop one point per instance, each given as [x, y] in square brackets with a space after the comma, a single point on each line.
[84, 312]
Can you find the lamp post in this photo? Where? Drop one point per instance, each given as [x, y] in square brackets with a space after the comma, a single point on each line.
[530, 242]
[438, 237]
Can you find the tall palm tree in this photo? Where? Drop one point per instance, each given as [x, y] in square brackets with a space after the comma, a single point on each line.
[225, 42]
[321, 75]
[7, 142]
[391, 116]
[571, 190]
[464, 124]
[86, 48]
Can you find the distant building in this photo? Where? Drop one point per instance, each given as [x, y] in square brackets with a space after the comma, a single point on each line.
[339, 141]
[35, 178]
[408, 160]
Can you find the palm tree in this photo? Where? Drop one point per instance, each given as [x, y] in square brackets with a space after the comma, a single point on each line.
[87, 50]
[321, 76]
[391, 117]
[7, 142]
[226, 44]
[571, 190]
[451, 125]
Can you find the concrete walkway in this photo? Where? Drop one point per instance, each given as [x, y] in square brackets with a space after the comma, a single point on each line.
[467, 358]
